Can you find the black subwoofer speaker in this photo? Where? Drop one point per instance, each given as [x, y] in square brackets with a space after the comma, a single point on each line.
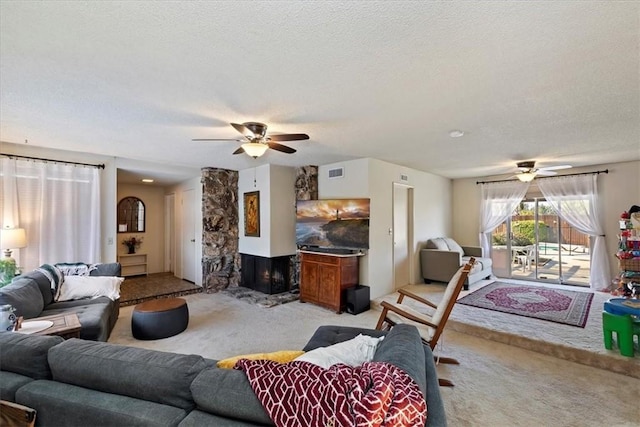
[357, 299]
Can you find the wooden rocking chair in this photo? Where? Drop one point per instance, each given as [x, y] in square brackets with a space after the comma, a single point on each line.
[429, 326]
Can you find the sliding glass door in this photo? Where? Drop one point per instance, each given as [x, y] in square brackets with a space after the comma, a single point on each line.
[535, 244]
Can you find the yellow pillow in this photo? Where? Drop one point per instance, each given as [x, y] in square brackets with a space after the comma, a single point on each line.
[283, 356]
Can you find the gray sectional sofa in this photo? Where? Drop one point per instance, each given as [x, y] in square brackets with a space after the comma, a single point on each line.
[32, 297]
[81, 383]
[442, 257]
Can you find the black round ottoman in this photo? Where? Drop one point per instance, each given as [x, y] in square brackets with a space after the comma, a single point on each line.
[159, 318]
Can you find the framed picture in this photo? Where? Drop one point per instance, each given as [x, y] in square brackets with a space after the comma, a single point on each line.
[252, 214]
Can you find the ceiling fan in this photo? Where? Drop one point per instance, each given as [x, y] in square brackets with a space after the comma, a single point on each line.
[528, 170]
[256, 141]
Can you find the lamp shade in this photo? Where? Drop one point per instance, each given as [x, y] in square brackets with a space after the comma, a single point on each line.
[254, 149]
[13, 238]
[526, 176]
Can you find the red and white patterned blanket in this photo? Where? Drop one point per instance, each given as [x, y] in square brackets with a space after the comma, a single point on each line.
[303, 394]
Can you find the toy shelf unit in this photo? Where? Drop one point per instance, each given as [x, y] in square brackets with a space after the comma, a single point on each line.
[628, 255]
[133, 264]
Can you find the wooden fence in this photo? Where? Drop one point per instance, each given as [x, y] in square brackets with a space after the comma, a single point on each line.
[568, 235]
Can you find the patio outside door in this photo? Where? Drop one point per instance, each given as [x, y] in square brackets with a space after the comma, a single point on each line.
[540, 247]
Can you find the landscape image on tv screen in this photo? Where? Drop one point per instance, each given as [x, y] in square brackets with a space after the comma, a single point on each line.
[333, 223]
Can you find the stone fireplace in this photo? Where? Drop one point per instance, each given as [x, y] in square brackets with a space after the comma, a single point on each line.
[267, 275]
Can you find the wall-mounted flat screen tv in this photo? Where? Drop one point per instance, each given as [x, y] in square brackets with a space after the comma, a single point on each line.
[333, 223]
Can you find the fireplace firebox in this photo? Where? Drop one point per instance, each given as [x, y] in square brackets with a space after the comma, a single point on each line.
[267, 275]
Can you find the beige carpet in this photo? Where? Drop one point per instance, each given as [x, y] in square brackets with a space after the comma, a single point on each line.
[496, 384]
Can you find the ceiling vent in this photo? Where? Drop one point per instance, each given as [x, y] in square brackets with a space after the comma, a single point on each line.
[336, 173]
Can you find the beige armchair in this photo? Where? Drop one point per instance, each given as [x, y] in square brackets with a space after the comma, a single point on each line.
[442, 257]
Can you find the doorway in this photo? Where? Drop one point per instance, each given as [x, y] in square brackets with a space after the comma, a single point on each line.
[188, 238]
[540, 246]
[402, 234]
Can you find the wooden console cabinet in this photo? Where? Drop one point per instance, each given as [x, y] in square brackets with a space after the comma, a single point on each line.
[324, 277]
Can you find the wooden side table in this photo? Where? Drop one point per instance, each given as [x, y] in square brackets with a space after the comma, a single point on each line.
[64, 325]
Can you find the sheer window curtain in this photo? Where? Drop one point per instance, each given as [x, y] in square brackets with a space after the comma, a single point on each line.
[498, 201]
[58, 205]
[575, 199]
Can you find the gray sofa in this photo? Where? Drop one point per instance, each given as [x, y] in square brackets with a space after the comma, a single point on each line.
[443, 256]
[81, 383]
[32, 297]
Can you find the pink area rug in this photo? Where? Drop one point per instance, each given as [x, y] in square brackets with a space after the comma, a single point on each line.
[554, 305]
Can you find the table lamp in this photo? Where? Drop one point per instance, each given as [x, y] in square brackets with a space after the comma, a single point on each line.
[12, 238]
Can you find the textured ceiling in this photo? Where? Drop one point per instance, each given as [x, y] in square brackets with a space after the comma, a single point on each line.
[558, 82]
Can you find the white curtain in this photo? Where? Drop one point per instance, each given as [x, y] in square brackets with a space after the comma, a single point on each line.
[58, 205]
[575, 200]
[498, 201]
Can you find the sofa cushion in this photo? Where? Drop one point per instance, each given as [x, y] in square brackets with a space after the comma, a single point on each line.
[480, 265]
[143, 374]
[25, 296]
[44, 284]
[10, 382]
[402, 347]
[227, 392]
[94, 316]
[26, 354]
[437, 243]
[61, 405]
[198, 418]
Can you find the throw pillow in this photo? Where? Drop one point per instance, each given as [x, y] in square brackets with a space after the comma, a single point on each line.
[282, 356]
[77, 287]
[54, 275]
[75, 268]
[437, 243]
[453, 245]
[353, 352]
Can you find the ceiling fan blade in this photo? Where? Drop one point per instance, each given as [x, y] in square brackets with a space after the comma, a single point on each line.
[240, 150]
[243, 130]
[555, 168]
[209, 139]
[280, 147]
[545, 172]
[288, 137]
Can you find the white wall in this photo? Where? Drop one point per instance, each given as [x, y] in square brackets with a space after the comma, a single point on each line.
[373, 179]
[276, 185]
[619, 189]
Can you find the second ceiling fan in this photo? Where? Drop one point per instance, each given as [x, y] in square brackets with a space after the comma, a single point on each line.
[256, 141]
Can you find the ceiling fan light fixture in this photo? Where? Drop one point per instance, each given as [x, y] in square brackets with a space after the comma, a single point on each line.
[254, 149]
[526, 176]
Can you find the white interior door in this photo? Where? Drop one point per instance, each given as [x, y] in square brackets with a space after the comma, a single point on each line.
[188, 236]
[401, 235]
